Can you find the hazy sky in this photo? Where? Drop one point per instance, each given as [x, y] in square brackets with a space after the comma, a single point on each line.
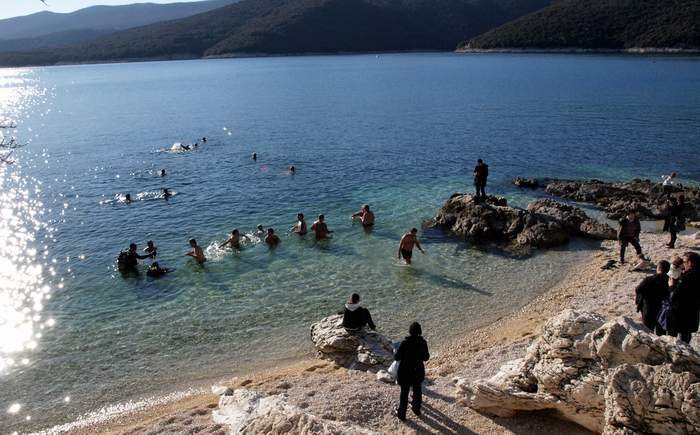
[13, 8]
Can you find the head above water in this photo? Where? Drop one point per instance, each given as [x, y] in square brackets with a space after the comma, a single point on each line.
[162, 172]
[663, 267]
[132, 246]
[354, 298]
[300, 216]
[270, 231]
[480, 161]
[193, 243]
[150, 243]
[673, 175]
[414, 230]
[365, 207]
[321, 218]
[415, 330]
[260, 227]
[127, 197]
[235, 232]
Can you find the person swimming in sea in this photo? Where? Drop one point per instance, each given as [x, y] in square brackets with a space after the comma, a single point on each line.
[204, 140]
[320, 228]
[151, 249]
[260, 230]
[185, 147]
[271, 239]
[300, 227]
[128, 260]
[162, 173]
[366, 216]
[255, 157]
[155, 271]
[196, 252]
[292, 170]
[408, 241]
[166, 193]
[235, 240]
[127, 198]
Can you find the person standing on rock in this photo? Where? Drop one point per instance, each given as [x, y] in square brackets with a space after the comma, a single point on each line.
[408, 241]
[481, 173]
[411, 354]
[685, 300]
[649, 295]
[356, 317]
[629, 234]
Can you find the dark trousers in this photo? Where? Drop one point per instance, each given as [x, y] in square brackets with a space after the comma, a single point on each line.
[651, 323]
[623, 247]
[417, 398]
[674, 234]
[684, 336]
[480, 188]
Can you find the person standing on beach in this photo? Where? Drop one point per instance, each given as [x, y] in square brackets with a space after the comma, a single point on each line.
[481, 173]
[412, 352]
[320, 228]
[649, 295]
[408, 241]
[629, 234]
[675, 221]
[366, 216]
[300, 227]
[685, 300]
[196, 252]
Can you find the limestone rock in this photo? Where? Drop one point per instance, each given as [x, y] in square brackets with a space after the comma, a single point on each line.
[574, 219]
[247, 412]
[610, 377]
[532, 183]
[361, 350]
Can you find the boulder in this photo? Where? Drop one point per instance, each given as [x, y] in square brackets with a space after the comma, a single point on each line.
[358, 350]
[613, 377]
[545, 224]
[248, 412]
[532, 183]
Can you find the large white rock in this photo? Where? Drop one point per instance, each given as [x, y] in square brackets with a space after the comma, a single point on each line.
[361, 350]
[247, 412]
[610, 377]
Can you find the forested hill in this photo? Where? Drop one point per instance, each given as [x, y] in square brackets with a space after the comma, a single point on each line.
[295, 26]
[600, 24]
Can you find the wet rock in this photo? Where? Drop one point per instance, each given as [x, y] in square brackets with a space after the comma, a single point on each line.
[248, 412]
[359, 350]
[545, 224]
[610, 377]
[531, 183]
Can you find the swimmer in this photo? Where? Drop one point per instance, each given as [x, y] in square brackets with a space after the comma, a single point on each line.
[365, 215]
[292, 170]
[151, 249]
[162, 173]
[204, 140]
[196, 144]
[155, 271]
[271, 239]
[197, 253]
[127, 198]
[320, 228]
[255, 157]
[185, 147]
[408, 241]
[300, 226]
[260, 230]
[235, 240]
[128, 260]
[166, 193]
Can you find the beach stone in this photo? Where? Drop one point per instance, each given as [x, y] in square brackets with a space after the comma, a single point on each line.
[360, 350]
[610, 377]
[545, 224]
[248, 412]
[645, 196]
[384, 376]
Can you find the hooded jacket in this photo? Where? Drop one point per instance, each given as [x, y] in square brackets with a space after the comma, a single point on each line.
[411, 354]
[685, 303]
[356, 317]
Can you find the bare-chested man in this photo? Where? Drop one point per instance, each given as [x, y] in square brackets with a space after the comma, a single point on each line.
[366, 216]
[300, 226]
[408, 241]
[197, 253]
[320, 228]
[235, 240]
[271, 239]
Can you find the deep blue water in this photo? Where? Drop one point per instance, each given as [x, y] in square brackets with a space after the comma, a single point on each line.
[400, 132]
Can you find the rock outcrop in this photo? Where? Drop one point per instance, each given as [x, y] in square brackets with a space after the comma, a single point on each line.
[532, 183]
[613, 377]
[545, 224]
[360, 350]
[247, 412]
[645, 196]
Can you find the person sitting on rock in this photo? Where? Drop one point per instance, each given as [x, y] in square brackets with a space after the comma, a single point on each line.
[649, 295]
[356, 317]
[412, 352]
[685, 300]
[629, 234]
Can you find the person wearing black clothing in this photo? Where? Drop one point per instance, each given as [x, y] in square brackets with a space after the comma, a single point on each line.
[128, 260]
[685, 300]
[481, 173]
[411, 354]
[675, 222]
[649, 295]
[629, 234]
[356, 317]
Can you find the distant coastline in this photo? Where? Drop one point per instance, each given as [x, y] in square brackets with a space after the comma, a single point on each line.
[576, 50]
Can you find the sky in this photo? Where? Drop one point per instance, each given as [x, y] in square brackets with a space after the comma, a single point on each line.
[14, 8]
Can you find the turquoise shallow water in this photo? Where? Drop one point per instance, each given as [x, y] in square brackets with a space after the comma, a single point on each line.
[400, 132]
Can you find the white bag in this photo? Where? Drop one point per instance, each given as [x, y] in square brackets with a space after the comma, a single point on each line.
[394, 369]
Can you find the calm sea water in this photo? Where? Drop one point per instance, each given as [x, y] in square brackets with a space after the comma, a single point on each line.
[400, 132]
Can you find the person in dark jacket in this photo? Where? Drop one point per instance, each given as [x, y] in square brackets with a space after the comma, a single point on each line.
[481, 173]
[356, 317]
[675, 222]
[629, 234]
[411, 354]
[685, 300]
[649, 295]
[129, 260]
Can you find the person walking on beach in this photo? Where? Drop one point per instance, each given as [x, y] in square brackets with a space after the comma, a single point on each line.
[320, 228]
[481, 173]
[675, 222]
[300, 227]
[356, 317]
[412, 352]
[629, 234]
[196, 252]
[649, 295]
[685, 300]
[366, 216]
[271, 239]
[235, 240]
[408, 241]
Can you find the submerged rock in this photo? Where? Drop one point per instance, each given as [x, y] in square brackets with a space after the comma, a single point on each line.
[359, 350]
[248, 412]
[532, 183]
[545, 224]
[610, 377]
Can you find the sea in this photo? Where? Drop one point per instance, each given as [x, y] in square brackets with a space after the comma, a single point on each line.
[80, 341]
